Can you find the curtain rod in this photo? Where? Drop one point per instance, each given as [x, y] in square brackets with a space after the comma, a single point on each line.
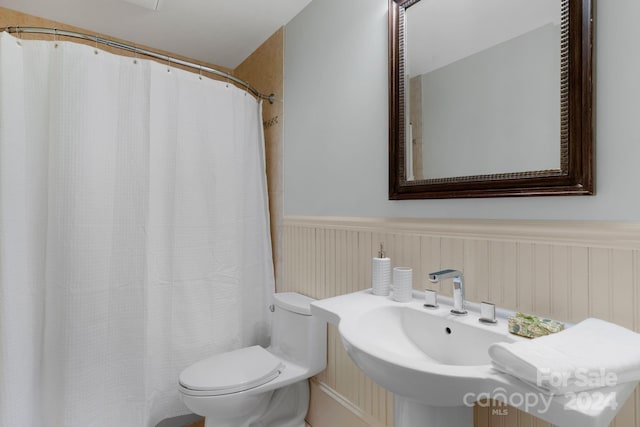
[137, 50]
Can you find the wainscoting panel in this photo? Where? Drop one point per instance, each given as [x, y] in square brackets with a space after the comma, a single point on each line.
[564, 270]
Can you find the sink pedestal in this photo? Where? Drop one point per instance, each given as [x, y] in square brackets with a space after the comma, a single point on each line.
[409, 413]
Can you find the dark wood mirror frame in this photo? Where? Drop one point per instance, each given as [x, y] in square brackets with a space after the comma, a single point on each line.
[576, 173]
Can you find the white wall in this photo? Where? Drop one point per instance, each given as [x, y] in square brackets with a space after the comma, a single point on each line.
[485, 92]
[335, 156]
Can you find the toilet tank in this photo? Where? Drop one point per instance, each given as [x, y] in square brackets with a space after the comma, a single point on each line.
[296, 335]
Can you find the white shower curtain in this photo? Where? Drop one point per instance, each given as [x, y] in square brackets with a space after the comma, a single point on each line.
[134, 235]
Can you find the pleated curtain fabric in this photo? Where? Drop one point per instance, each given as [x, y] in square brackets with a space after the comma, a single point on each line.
[134, 233]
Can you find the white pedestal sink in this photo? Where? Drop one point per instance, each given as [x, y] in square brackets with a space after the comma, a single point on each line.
[437, 364]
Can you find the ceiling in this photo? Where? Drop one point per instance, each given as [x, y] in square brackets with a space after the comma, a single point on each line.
[219, 32]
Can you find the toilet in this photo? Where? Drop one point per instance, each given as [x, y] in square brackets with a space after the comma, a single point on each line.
[261, 387]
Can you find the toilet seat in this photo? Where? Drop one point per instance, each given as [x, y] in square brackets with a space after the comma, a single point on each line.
[230, 372]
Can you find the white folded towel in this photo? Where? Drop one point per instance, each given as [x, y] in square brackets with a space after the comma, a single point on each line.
[591, 354]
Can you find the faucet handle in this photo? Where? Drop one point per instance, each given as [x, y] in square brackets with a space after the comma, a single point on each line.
[487, 313]
[430, 299]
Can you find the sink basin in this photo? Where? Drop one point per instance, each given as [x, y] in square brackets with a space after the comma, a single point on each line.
[428, 355]
[437, 364]
[426, 336]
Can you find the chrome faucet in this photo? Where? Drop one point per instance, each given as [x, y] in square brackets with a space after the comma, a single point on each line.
[458, 288]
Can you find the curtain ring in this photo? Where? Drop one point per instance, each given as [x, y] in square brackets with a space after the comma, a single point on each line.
[55, 37]
[19, 34]
[168, 64]
[200, 72]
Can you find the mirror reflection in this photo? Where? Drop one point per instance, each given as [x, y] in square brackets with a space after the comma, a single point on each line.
[483, 81]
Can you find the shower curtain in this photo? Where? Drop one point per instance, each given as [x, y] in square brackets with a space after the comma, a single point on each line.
[134, 235]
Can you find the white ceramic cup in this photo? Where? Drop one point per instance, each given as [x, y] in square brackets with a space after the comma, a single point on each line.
[402, 284]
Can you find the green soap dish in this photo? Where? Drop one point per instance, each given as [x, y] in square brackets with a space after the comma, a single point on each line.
[530, 326]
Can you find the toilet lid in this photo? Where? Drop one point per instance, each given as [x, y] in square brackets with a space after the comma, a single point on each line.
[231, 372]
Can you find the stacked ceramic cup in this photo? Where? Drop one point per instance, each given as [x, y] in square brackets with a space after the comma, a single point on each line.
[402, 284]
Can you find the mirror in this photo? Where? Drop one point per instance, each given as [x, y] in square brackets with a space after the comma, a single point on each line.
[490, 98]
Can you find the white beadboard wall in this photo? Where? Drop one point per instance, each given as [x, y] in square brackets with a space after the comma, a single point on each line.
[564, 270]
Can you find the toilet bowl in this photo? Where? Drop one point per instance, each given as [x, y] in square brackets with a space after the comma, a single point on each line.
[256, 386]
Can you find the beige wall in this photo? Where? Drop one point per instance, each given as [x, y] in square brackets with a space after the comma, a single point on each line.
[264, 70]
[564, 270]
[415, 118]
